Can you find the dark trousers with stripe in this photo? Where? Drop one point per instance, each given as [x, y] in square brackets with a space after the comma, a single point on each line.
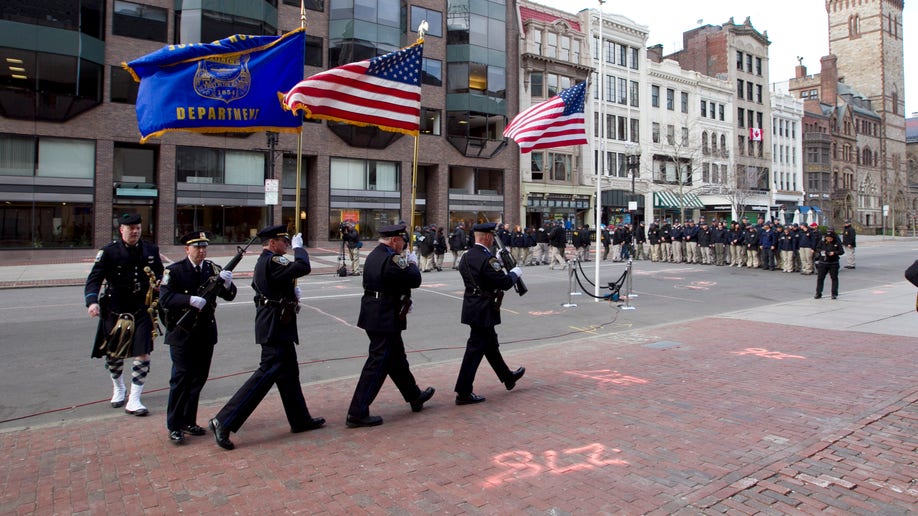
[278, 366]
[482, 343]
[386, 358]
[190, 367]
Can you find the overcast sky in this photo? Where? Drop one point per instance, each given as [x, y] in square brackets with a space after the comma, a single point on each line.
[795, 28]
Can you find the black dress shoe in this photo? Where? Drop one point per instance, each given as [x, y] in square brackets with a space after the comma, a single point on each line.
[176, 436]
[117, 404]
[817, 296]
[834, 297]
[426, 394]
[221, 435]
[194, 430]
[139, 412]
[357, 422]
[514, 377]
[314, 422]
[468, 399]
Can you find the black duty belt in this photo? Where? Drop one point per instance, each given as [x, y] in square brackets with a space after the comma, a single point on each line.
[378, 295]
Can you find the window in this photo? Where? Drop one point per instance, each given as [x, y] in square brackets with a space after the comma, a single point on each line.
[758, 66]
[314, 51]
[655, 132]
[704, 143]
[312, 5]
[537, 166]
[431, 71]
[758, 93]
[635, 88]
[596, 124]
[57, 157]
[622, 55]
[610, 127]
[740, 88]
[434, 20]
[655, 96]
[47, 86]
[134, 164]
[537, 41]
[740, 117]
[551, 47]
[622, 128]
[670, 99]
[564, 48]
[535, 83]
[609, 51]
[215, 166]
[749, 63]
[358, 174]
[685, 136]
[560, 166]
[739, 60]
[635, 58]
[720, 109]
[430, 121]
[218, 25]
[46, 224]
[635, 130]
[749, 86]
[704, 108]
[123, 87]
[671, 134]
[139, 21]
[610, 89]
[684, 96]
[623, 91]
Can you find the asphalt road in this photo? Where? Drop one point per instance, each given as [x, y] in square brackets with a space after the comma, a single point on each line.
[46, 374]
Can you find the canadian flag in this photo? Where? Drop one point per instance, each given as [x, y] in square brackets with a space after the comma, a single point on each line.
[755, 134]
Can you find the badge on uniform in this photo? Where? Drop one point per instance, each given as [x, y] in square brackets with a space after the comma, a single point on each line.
[280, 259]
[495, 264]
[165, 280]
[99, 255]
[400, 261]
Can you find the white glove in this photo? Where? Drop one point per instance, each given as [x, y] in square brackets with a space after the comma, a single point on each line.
[227, 277]
[517, 271]
[297, 241]
[297, 292]
[198, 302]
[412, 258]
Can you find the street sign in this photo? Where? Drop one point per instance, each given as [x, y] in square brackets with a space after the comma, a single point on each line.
[272, 187]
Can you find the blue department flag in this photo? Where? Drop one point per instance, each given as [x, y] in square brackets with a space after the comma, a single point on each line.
[235, 84]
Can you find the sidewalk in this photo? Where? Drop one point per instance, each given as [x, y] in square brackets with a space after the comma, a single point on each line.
[700, 417]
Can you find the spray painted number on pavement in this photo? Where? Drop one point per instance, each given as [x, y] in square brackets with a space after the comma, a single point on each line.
[764, 353]
[608, 376]
[520, 464]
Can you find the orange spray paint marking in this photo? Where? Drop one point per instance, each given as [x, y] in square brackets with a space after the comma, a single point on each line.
[608, 376]
[764, 353]
[520, 464]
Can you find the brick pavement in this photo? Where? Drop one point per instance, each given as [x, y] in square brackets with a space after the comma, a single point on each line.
[708, 416]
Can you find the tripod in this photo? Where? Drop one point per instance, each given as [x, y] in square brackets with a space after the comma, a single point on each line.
[342, 260]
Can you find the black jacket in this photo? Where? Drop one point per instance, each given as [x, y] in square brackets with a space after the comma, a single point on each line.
[387, 281]
[828, 253]
[483, 277]
[180, 282]
[273, 281]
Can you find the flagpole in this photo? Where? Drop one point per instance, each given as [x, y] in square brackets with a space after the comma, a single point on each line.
[422, 29]
[299, 148]
[602, 158]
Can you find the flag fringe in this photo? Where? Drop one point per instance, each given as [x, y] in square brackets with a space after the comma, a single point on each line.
[212, 130]
[308, 114]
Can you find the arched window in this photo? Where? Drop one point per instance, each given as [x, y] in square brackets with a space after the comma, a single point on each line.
[704, 142]
[713, 143]
[723, 142]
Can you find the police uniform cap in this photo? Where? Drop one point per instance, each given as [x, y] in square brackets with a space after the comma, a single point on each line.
[278, 231]
[393, 230]
[195, 239]
[484, 227]
[129, 219]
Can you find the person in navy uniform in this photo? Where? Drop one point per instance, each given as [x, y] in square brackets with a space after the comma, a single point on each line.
[191, 351]
[388, 278]
[276, 305]
[122, 308]
[485, 281]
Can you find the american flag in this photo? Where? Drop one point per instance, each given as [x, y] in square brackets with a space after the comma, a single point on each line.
[384, 92]
[557, 122]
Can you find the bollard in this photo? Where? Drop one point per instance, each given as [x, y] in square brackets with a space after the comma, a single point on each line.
[570, 285]
[627, 305]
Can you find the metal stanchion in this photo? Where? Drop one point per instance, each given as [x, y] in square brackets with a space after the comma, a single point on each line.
[570, 285]
[627, 305]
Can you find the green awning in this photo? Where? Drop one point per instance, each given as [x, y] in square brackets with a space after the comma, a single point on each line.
[671, 200]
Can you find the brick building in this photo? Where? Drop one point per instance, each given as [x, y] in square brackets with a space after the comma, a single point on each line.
[70, 161]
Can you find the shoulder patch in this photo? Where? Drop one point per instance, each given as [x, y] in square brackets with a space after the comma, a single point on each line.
[495, 264]
[280, 259]
[99, 255]
[165, 280]
[399, 261]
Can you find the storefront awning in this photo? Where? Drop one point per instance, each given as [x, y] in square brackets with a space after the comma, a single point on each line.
[804, 209]
[671, 200]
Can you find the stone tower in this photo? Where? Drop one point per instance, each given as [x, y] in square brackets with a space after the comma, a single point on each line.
[866, 37]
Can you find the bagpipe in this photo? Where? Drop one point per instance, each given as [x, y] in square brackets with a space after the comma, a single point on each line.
[509, 262]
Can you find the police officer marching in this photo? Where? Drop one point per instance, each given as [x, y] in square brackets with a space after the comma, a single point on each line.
[131, 268]
[387, 281]
[191, 346]
[485, 282]
[276, 305]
